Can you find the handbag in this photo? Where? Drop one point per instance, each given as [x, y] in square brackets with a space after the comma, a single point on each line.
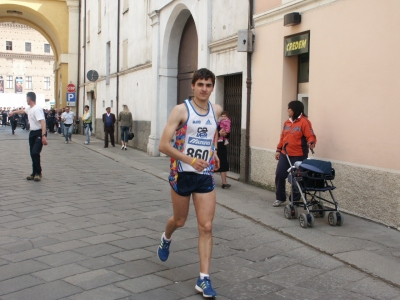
[131, 135]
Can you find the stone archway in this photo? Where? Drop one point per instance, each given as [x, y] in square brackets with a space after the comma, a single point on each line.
[58, 22]
[187, 60]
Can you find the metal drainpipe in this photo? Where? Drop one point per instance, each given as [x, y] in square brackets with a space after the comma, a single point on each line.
[117, 96]
[79, 64]
[248, 104]
[84, 64]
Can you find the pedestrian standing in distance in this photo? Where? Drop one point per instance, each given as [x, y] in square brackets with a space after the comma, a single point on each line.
[126, 122]
[68, 118]
[4, 115]
[37, 135]
[296, 138]
[14, 121]
[87, 122]
[193, 161]
[109, 123]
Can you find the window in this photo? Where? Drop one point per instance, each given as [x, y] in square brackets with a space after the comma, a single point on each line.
[28, 80]
[28, 47]
[9, 82]
[108, 49]
[112, 103]
[46, 48]
[8, 45]
[47, 83]
[99, 16]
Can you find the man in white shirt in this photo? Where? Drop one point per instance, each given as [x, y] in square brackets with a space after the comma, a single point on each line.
[37, 135]
[68, 117]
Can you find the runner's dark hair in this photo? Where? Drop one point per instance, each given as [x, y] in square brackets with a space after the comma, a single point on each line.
[203, 74]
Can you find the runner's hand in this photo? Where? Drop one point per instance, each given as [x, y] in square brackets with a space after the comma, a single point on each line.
[44, 140]
[200, 165]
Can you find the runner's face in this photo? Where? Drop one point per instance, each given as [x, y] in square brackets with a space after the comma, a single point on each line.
[202, 89]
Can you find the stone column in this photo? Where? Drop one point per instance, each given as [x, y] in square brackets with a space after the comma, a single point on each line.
[154, 138]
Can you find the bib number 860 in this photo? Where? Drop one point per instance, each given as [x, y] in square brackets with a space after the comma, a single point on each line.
[198, 153]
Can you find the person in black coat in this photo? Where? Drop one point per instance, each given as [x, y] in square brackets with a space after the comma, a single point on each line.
[109, 123]
[14, 122]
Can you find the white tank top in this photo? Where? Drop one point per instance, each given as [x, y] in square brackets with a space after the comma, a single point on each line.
[197, 135]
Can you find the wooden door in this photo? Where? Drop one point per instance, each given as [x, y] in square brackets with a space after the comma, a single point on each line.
[187, 60]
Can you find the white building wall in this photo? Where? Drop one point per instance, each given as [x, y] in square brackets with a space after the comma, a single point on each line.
[150, 32]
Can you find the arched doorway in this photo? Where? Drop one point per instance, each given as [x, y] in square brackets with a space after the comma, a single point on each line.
[187, 60]
[56, 21]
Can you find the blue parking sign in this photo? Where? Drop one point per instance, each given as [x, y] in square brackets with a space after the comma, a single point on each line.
[71, 99]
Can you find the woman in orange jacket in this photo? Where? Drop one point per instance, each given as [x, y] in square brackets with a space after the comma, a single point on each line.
[298, 136]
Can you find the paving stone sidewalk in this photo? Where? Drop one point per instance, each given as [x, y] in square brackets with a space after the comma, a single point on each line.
[90, 228]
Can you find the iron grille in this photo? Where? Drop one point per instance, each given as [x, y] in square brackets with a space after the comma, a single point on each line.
[233, 105]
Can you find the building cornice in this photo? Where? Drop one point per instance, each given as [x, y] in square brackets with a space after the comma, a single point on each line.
[278, 13]
[227, 43]
[15, 26]
[26, 56]
[135, 69]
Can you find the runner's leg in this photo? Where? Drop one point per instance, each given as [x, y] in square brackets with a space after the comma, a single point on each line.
[205, 210]
[180, 205]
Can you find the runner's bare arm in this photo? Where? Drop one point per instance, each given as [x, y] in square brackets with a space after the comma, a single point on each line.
[176, 118]
[217, 110]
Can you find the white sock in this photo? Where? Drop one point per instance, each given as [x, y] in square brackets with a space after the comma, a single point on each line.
[202, 275]
[163, 235]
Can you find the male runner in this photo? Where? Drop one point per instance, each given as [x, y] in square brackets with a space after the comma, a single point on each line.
[37, 135]
[193, 161]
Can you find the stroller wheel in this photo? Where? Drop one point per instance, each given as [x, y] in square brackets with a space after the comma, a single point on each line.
[303, 220]
[339, 218]
[295, 212]
[320, 214]
[288, 212]
[332, 218]
[310, 219]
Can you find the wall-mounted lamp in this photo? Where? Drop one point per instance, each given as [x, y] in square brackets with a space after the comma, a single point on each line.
[292, 19]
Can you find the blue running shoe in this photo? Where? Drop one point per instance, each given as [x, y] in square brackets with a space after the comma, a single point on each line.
[204, 286]
[163, 249]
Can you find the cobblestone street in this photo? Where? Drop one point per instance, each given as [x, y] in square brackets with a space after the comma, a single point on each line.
[90, 229]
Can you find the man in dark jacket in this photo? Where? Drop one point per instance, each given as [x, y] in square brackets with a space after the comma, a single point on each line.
[109, 123]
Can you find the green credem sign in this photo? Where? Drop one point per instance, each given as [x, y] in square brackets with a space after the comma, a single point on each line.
[298, 44]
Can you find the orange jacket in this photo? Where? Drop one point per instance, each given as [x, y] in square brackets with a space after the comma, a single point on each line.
[297, 134]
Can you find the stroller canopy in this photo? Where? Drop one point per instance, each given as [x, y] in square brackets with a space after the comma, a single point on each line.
[318, 166]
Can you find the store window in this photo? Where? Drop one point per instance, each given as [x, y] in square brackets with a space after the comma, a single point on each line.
[28, 47]
[9, 82]
[47, 83]
[28, 80]
[8, 45]
[304, 64]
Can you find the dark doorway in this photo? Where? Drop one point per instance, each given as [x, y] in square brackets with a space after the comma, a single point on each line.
[187, 60]
[233, 105]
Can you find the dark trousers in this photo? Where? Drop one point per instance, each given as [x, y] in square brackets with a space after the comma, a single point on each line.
[14, 124]
[35, 146]
[108, 130]
[281, 174]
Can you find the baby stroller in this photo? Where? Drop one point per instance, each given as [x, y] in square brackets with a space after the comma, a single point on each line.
[311, 178]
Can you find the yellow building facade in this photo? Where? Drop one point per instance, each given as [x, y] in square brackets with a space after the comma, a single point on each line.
[58, 22]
